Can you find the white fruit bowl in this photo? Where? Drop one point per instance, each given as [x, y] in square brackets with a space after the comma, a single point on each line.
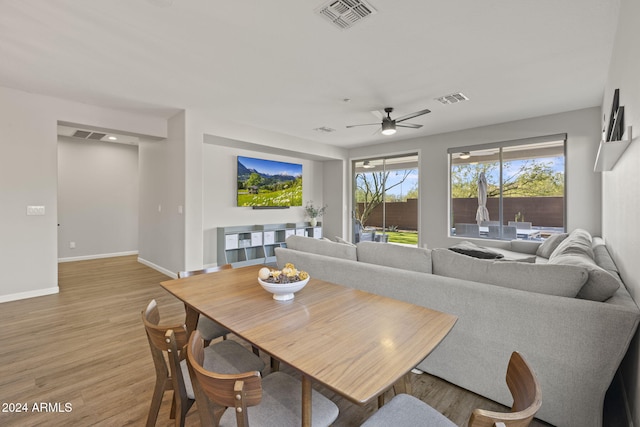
[283, 291]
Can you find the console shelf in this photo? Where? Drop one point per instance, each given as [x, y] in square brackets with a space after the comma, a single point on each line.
[242, 245]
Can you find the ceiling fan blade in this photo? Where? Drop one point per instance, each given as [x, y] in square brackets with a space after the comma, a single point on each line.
[409, 125]
[367, 124]
[412, 115]
[379, 114]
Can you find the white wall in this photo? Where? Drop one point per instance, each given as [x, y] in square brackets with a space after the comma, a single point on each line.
[583, 185]
[162, 200]
[97, 198]
[28, 176]
[621, 198]
[219, 192]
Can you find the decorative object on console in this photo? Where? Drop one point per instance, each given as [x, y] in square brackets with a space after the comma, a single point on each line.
[314, 212]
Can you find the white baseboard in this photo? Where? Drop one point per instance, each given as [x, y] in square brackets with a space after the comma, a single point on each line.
[158, 268]
[29, 294]
[98, 256]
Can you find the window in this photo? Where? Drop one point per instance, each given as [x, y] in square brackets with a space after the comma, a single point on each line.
[385, 205]
[508, 190]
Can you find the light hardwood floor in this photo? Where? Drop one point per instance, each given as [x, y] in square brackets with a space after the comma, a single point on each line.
[86, 347]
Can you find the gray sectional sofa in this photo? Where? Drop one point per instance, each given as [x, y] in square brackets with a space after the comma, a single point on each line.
[561, 304]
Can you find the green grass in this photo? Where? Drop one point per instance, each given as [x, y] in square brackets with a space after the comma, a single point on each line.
[289, 197]
[406, 237]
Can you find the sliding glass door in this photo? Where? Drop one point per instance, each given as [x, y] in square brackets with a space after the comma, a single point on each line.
[385, 205]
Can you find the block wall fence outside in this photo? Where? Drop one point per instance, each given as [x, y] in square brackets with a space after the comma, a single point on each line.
[541, 211]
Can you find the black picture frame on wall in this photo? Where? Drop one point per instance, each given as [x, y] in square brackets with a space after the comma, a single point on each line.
[616, 124]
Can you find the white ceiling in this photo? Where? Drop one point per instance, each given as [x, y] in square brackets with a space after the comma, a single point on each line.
[278, 66]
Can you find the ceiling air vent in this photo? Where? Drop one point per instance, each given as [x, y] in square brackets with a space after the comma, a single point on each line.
[81, 134]
[345, 13]
[452, 98]
[84, 134]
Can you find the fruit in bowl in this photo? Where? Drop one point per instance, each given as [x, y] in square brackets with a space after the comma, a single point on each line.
[283, 283]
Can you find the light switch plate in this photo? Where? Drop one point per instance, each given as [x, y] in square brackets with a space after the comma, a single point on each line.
[35, 210]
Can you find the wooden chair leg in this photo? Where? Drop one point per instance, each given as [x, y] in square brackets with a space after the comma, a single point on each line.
[172, 414]
[156, 402]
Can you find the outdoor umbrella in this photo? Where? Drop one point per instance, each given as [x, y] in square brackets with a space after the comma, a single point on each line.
[482, 214]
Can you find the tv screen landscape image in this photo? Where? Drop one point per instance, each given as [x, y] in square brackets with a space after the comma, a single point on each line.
[268, 183]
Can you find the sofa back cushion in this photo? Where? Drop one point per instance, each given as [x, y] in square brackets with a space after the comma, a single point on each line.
[559, 280]
[577, 250]
[550, 244]
[322, 247]
[397, 256]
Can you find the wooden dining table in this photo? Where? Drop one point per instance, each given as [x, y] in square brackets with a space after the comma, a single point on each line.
[355, 343]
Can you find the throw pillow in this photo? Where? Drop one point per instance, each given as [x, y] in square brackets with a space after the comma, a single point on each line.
[578, 242]
[550, 244]
[558, 280]
[600, 285]
[472, 250]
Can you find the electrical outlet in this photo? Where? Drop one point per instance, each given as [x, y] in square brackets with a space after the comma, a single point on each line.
[72, 245]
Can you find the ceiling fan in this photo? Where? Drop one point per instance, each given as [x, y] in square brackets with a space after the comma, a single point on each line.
[389, 125]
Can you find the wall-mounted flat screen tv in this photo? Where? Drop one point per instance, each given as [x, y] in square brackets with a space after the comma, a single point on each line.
[268, 183]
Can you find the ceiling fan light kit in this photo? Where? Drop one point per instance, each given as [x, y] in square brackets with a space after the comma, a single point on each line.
[389, 125]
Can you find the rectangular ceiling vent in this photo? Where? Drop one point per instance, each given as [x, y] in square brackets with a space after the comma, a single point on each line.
[453, 98]
[345, 13]
[97, 136]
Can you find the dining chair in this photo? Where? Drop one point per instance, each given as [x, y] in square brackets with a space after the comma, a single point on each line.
[406, 410]
[275, 400]
[209, 329]
[172, 373]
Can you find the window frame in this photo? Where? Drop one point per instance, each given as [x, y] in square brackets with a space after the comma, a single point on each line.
[561, 137]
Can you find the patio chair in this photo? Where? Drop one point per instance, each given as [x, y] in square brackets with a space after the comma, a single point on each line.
[467, 230]
[521, 225]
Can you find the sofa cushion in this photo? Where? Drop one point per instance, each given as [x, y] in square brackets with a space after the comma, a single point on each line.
[398, 256]
[550, 244]
[547, 279]
[577, 250]
[601, 284]
[578, 242]
[322, 247]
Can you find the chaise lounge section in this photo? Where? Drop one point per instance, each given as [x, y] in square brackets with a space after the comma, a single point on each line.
[539, 309]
